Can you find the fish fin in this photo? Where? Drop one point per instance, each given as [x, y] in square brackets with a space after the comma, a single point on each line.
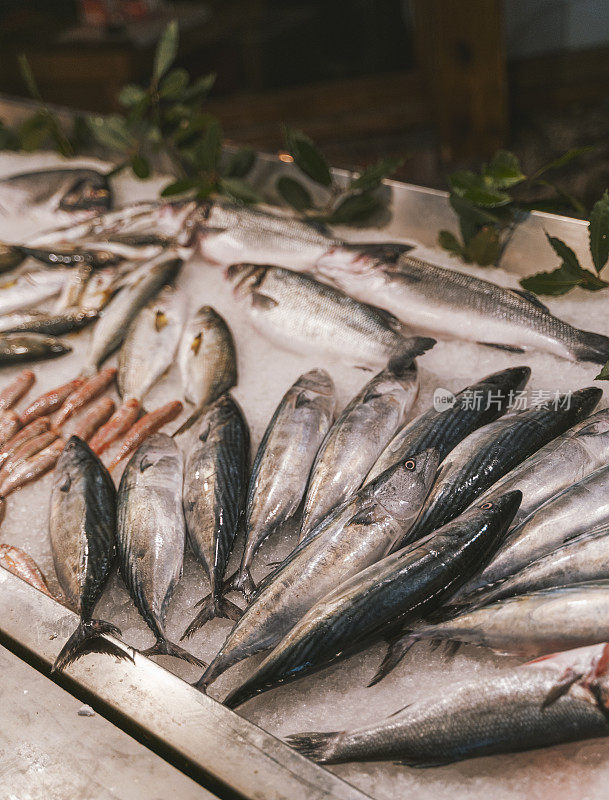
[399, 711]
[532, 298]
[263, 301]
[189, 422]
[244, 582]
[88, 638]
[601, 696]
[401, 362]
[212, 607]
[591, 347]
[561, 687]
[507, 347]
[316, 746]
[163, 647]
[389, 252]
[452, 649]
[395, 653]
[363, 368]
[391, 320]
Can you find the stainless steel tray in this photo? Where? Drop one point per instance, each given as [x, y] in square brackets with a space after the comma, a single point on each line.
[225, 753]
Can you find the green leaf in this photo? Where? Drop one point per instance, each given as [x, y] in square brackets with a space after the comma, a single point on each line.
[473, 188]
[131, 95]
[239, 190]
[504, 170]
[559, 281]
[199, 88]
[33, 131]
[240, 163]
[484, 248]
[207, 152]
[598, 232]
[592, 282]
[561, 161]
[307, 157]
[353, 208]
[371, 177]
[111, 131]
[140, 167]
[28, 77]
[603, 375]
[166, 51]
[179, 187]
[471, 218]
[448, 241]
[173, 84]
[565, 253]
[294, 193]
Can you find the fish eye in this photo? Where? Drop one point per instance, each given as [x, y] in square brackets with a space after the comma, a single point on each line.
[486, 506]
[410, 464]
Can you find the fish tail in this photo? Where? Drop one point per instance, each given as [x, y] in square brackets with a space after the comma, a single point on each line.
[395, 653]
[212, 607]
[401, 361]
[319, 747]
[591, 347]
[163, 647]
[89, 638]
[243, 582]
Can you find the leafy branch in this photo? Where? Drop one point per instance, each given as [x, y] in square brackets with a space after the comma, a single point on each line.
[487, 209]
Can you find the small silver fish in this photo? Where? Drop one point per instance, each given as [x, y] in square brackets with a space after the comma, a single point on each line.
[18, 347]
[71, 191]
[30, 289]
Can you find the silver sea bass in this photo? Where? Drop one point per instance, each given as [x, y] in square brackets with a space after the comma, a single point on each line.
[151, 535]
[296, 312]
[453, 305]
[76, 190]
[283, 462]
[356, 439]
[517, 709]
[349, 540]
[151, 343]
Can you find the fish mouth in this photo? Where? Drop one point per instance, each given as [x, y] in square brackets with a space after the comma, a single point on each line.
[246, 277]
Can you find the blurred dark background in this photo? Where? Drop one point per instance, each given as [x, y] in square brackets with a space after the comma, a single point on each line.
[443, 82]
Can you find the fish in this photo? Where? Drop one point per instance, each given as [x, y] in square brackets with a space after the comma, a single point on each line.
[562, 462]
[215, 487]
[444, 427]
[398, 588]
[18, 347]
[119, 423]
[150, 344]
[491, 452]
[30, 289]
[52, 324]
[229, 232]
[529, 625]
[97, 290]
[95, 257]
[30, 431]
[558, 699]
[22, 565]
[283, 462]
[580, 560]
[25, 451]
[10, 423]
[359, 534]
[113, 323]
[32, 468]
[207, 361]
[578, 509]
[151, 535]
[296, 312]
[89, 390]
[72, 291]
[50, 401]
[450, 304]
[357, 437]
[144, 427]
[82, 529]
[94, 418]
[67, 191]
[16, 389]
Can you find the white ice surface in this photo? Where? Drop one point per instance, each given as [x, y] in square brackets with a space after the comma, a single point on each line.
[336, 698]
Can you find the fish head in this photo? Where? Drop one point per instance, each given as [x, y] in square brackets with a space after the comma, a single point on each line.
[593, 434]
[337, 263]
[218, 414]
[317, 382]
[402, 489]
[86, 192]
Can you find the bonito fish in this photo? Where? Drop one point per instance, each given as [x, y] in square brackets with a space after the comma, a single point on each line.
[207, 360]
[346, 542]
[465, 412]
[70, 191]
[215, 487]
[151, 535]
[557, 699]
[296, 312]
[283, 462]
[151, 343]
[356, 439]
[82, 528]
[491, 452]
[453, 305]
[402, 586]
